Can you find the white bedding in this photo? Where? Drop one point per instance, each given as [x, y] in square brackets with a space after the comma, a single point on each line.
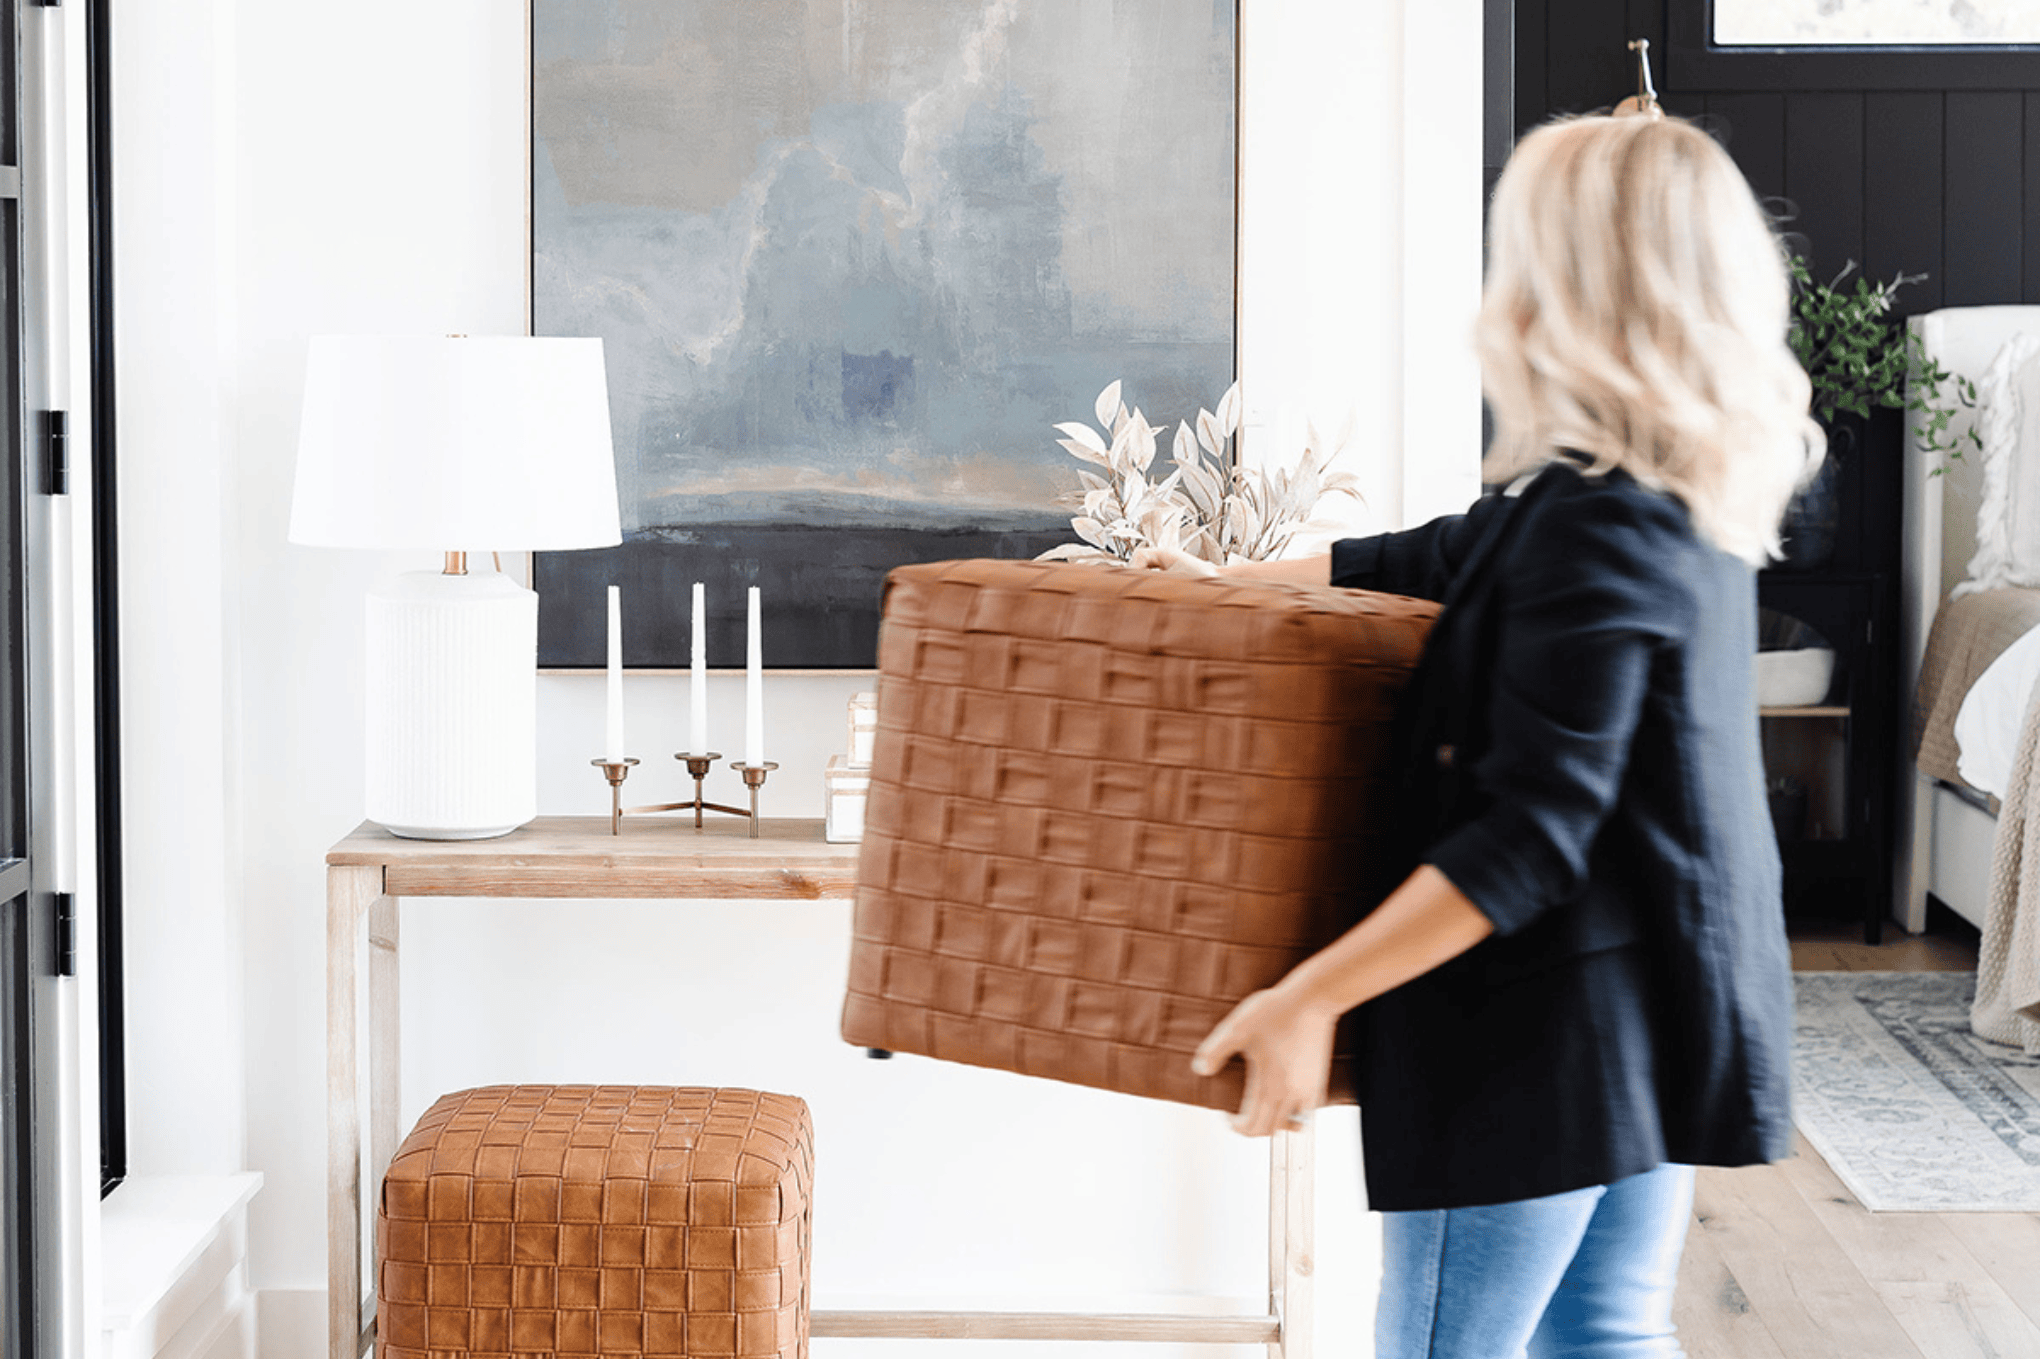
[1987, 723]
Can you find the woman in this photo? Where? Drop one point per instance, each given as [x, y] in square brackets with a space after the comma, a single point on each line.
[1583, 990]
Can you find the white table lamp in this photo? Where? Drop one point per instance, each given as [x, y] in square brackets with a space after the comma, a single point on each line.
[454, 444]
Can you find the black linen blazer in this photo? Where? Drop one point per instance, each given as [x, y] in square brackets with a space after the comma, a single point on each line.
[1581, 752]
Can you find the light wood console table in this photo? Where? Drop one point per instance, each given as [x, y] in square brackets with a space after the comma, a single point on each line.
[369, 871]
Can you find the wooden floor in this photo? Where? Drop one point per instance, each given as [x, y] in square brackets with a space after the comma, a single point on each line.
[1783, 1263]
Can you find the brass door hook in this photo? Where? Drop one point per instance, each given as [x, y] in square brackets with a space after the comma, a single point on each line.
[1645, 100]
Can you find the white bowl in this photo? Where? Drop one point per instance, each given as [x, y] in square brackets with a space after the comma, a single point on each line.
[1794, 679]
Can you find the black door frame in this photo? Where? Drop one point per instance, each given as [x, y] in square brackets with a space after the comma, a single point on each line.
[108, 875]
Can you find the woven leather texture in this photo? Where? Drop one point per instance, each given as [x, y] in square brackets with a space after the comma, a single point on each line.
[1107, 804]
[585, 1220]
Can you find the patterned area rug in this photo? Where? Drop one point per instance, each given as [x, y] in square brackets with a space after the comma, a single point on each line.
[1911, 1109]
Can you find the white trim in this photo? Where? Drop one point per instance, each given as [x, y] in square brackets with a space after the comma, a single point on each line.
[159, 1236]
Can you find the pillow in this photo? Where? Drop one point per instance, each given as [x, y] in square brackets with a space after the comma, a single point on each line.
[2008, 517]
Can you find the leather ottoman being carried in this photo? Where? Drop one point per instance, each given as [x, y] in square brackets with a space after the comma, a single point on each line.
[598, 1219]
[1107, 804]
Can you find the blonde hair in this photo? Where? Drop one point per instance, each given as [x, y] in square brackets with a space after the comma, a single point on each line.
[1635, 312]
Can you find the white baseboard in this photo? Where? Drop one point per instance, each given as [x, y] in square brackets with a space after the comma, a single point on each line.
[292, 1322]
[223, 1331]
[174, 1268]
[235, 1338]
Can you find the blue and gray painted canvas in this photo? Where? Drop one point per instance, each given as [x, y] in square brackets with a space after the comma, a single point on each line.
[851, 260]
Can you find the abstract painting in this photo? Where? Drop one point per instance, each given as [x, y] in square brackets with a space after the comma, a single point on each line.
[851, 261]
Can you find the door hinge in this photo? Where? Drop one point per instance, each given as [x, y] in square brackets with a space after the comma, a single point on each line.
[67, 935]
[57, 451]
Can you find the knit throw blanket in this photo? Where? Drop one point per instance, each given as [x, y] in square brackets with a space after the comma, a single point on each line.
[2007, 1005]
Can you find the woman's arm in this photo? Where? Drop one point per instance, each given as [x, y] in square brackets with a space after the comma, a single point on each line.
[1285, 1032]
[1315, 569]
[1591, 594]
[1312, 570]
[1421, 562]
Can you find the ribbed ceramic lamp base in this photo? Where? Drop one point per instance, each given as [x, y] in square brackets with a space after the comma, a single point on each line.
[452, 706]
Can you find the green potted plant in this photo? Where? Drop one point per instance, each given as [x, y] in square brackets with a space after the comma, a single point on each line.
[1859, 358]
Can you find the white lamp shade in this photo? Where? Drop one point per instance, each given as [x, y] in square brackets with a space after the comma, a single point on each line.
[455, 443]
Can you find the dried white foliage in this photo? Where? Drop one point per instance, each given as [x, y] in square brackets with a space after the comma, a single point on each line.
[1210, 506]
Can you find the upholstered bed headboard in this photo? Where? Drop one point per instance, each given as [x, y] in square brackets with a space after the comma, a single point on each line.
[1940, 511]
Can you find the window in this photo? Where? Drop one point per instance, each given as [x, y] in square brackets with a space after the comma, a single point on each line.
[1801, 45]
[1880, 23]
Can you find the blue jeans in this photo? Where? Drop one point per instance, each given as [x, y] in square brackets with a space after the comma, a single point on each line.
[1588, 1273]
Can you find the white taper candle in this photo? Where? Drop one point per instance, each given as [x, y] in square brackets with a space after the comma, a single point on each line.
[697, 688]
[754, 688]
[613, 743]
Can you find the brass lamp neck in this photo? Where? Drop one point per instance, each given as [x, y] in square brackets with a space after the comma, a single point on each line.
[456, 564]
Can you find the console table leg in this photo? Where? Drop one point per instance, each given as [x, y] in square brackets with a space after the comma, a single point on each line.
[1292, 1223]
[350, 893]
[384, 1069]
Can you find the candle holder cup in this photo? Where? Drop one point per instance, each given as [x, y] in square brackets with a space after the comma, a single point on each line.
[616, 771]
[697, 767]
[754, 779]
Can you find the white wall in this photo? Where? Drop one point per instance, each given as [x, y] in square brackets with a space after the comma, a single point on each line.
[181, 570]
[1360, 246]
[293, 169]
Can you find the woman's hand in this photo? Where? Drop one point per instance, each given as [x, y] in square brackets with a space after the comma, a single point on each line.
[1285, 1032]
[1173, 561]
[1287, 1043]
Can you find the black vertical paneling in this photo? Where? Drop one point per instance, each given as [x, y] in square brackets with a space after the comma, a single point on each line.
[1985, 237]
[1944, 183]
[2030, 218]
[1902, 192]
[1646, 19]
[1531, 59]
[1824, 177]
[1498, 88]
[1915, 175]
[1587, 64]
[1753, 128]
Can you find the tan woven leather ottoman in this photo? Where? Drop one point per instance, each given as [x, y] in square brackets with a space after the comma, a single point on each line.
[1106, 804]
[612, 1220]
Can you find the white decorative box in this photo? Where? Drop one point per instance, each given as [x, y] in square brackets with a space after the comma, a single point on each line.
[844, 790]
[863, 729]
